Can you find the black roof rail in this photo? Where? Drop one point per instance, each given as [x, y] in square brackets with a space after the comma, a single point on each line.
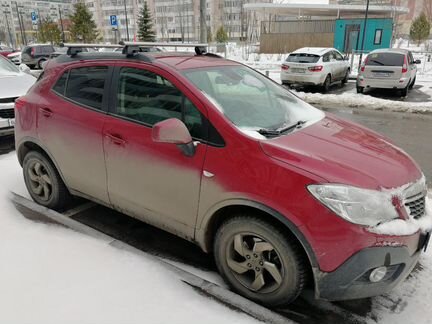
[75, 48]
[130, 48]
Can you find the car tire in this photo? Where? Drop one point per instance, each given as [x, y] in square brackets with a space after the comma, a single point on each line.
[412, 83]
[327, 83]
[259, 261]
[404, 91]
[44, 183]
[39, 64]
[359, 89]
[345, 79]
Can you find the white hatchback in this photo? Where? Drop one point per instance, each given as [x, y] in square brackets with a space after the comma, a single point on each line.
[315, 66]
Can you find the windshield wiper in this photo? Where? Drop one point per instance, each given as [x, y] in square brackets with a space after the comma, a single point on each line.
[378, 62]
[279, 131]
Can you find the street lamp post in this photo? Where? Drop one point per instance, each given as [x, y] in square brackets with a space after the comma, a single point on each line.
[61, 23]
[127, 25]
[8, 27]
[364, 32]
[20, 24]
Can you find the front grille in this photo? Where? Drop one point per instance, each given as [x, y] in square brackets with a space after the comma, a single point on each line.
[7, 113]
[8, 100]
[416, 206]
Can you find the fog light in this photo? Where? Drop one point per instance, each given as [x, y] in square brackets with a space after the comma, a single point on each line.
[378, 274]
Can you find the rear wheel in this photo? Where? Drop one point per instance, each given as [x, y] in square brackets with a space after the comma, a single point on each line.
[412, 83]
[360, 89]
[43, 182]
[259, 261]
[39, 63]
[345, 79]
[327, 84]
[404, 91]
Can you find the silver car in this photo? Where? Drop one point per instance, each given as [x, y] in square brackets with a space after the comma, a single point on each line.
[388, 69]
[13, 84]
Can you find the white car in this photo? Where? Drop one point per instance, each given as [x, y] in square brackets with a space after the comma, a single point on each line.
[15, 58]
[14, 83]
[315, 66]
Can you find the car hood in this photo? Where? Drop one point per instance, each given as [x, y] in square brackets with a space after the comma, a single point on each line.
[15, 84]
[343, 152]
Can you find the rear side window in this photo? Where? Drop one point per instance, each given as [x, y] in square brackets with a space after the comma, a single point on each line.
[85, 85]
[303, 58]
[385, 59]
[60, 85]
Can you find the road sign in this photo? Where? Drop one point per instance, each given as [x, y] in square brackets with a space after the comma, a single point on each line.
[113, 20]
[34, 18]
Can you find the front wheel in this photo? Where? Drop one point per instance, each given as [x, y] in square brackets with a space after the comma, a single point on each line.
[345, 79]
[43, 182]
[404, 91]
[360, 89]
[259, 262]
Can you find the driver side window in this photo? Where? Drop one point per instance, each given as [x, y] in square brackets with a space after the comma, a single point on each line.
[149, 98]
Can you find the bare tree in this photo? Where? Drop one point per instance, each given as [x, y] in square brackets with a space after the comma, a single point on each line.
[427, 8]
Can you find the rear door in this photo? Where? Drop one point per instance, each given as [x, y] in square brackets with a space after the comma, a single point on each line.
[412, 66]
[384, 65]
[340, 65]
[153, 181]
[70, 122]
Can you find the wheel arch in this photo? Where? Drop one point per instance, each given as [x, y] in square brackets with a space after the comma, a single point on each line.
[30, 144]
[226, 210]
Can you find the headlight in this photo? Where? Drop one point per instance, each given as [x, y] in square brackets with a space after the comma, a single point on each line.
[358, 206]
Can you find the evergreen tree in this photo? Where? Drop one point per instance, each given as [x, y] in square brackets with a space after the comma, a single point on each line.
[145, 25]
[221, 35]
[83, 27]
[420, 29]
[49, 32]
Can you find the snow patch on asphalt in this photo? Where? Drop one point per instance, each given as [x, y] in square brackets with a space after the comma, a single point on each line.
[49, 274]
[355, 100]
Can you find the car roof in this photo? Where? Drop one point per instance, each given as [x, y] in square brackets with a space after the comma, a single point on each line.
[176, 60]
[314, 50]
[391, 50]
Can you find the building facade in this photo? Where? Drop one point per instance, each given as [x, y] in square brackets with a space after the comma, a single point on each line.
[16, 24]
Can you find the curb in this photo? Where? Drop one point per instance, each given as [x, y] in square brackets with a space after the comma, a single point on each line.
[223, 295]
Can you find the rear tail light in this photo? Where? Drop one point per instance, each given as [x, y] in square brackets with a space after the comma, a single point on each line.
[285, 67]
[317, 68]
[405, 66]
[32, 51]
[362, 68]
[20, 103]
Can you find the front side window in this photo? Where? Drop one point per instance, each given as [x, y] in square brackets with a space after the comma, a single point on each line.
[86, 85]
[148, 98]
[249, 100]
[338, 56]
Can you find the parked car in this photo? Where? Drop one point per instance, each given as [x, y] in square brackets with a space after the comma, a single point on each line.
[5, 50]
[388, 69]
[34, 55]
[315, 66]
[13, 84]
[15, 57]
[282, 194]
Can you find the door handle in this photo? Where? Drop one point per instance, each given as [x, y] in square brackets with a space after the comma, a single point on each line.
[116, 139]
[46, 112]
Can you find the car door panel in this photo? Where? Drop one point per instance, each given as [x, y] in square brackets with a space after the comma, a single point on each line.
[151, 181]
[59, 121]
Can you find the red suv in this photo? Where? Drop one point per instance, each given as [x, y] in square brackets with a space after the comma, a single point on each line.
[283, 194]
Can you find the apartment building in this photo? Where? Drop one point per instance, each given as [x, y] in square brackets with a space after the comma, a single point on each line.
[16, 18]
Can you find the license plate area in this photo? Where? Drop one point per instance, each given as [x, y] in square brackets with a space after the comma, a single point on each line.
[298, 70]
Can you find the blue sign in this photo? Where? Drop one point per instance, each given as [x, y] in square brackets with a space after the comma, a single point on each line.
[113, 20]
[34, 16]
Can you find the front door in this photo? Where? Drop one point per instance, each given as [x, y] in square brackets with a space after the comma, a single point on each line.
[153, 181]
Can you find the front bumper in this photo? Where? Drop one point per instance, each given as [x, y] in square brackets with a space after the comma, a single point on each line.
[351, 279]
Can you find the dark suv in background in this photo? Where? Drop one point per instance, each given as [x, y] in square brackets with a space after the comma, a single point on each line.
[35, 55]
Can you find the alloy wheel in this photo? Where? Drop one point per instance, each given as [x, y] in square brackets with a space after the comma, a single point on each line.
[40, 180]
[255, 263]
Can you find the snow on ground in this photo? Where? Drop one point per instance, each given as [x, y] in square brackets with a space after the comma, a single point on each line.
[49, 274]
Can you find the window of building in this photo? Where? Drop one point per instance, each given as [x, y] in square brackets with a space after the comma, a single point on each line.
[378, 37]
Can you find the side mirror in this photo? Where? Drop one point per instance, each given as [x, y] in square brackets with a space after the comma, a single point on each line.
[417, 62]
[24, 68]
[174, 131]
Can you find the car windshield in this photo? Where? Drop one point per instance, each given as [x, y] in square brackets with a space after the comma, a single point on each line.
[303, 58]
[385, 59]
[7, 67]
[250, 100]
